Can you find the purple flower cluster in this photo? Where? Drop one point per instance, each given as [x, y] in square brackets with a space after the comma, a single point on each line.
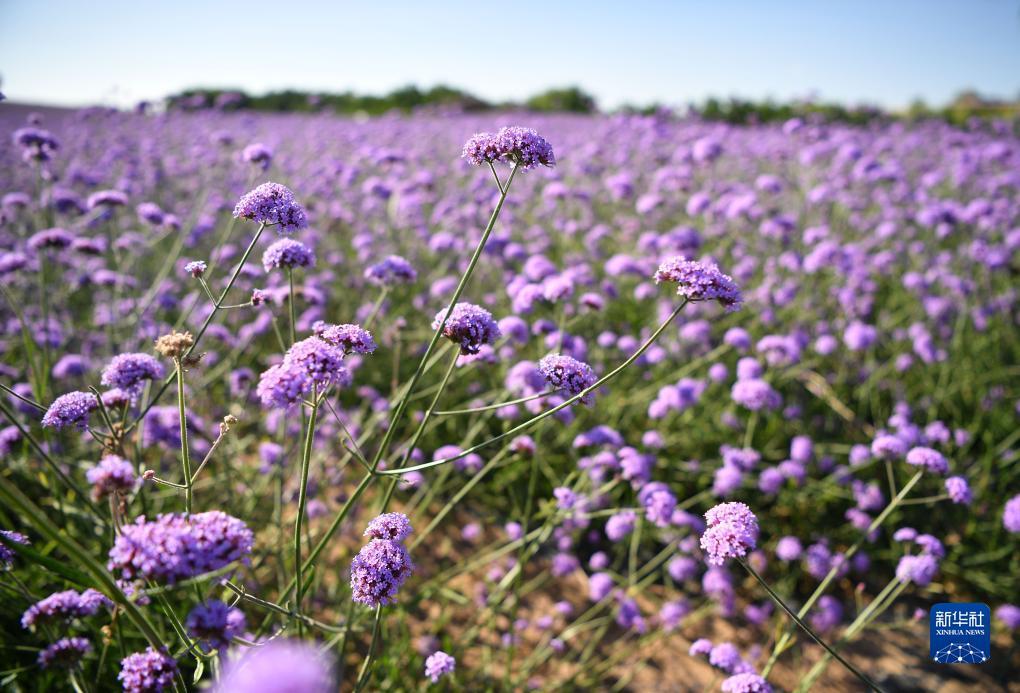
[65, 653]
[732, 531]
[112, 475]
[278, 666]
[273, 205]
[700, 281]
[391, 271]
[129, 372]
[383, 564]
[567, 373]
[747, 682]
[928, 459]
[6, 553]
[287, 253]
[515, 145]
[176, 547]
[439, 664]
[311, 362]
[1011, 515]
[352, 339]
[214, 623]
[392, 526]
[469, 325]
[64, 606]
[150, 671]
[69, 410]
[196, 268]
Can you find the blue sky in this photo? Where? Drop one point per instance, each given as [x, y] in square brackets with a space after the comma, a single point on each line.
[885, 52]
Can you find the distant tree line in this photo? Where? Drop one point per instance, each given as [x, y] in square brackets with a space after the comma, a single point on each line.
[965, 107]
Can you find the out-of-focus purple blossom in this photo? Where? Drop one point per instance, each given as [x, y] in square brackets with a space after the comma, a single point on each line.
[111, 475]
[176, 547]
[214, 624]
[287, 253]
[64, 606]
[439, 664]
[129, 372]
[65, 653]
[278, 666]
[747, 682]
[919, 569]
[928, 459]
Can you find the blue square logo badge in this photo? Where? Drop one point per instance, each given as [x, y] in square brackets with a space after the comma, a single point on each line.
[960, 633]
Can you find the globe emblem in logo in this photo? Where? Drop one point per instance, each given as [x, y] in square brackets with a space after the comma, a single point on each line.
[960, 653]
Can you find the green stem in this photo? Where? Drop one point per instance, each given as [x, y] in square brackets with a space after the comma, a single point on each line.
[290, 305]
[363, 674]
[14, 498]
[205, 326]
[785, 639]
[549, 412]
[499, 405]
[796, 619]
[306, 457]
[461, 285]
[185, 453]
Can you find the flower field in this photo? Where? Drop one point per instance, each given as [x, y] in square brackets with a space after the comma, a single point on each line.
[620, 402]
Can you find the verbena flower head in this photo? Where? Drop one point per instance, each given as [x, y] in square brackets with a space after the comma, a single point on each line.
[567, 373]
[176, 547]
[150, 671]
[928, 459]
[36, 144]
[283, 385]
[55, 238]
[65, 653]
[391, 271]
[196, 268]
[378, 571]
[732, 531]
[321, 361]
[64, 606]
[469, 325]
[130, 371]
[746, 682]
[394, 526]
[958, 490]
[106, 198]
[279, 666]
[112, 475]
[6, 553]
[700, 281]
[213, 623]
[439, 664]
[258, 154]
[919, 569]
[352, 339]
[287, 253]
[512, 145]
[273, 205]
[72, 409]
[1011, 514]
